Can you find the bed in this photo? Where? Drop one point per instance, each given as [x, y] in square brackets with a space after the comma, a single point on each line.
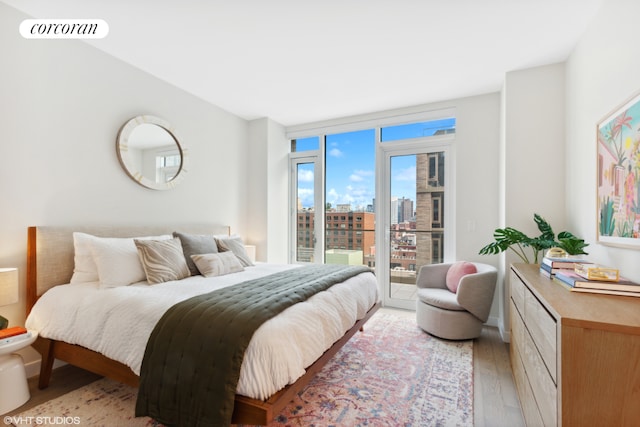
[50, 267]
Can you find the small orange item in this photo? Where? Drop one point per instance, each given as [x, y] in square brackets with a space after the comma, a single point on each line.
[11, 332]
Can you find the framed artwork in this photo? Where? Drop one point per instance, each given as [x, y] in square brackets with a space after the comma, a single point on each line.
[618, 206]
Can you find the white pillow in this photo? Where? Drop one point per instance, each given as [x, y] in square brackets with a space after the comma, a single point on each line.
[211, 265]
[117, 261]
[84, 269]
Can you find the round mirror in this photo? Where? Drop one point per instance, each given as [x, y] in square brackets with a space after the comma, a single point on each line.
[150, 153]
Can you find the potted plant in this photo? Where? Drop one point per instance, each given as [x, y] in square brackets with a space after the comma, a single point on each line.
[517, 241]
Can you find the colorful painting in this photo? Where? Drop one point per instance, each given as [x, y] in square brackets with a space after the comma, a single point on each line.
[619, 176]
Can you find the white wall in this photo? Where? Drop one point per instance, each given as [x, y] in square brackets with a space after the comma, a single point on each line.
[533, 155]
[62, 104]
[267, 222]
[278, 193]
[257, 168]
[477, 156]
[602, 73]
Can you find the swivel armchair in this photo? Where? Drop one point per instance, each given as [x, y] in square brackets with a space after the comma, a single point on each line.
[455, 312]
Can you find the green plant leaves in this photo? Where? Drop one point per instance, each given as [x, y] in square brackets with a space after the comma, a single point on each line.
[504, 237]
[573, 245]
[510, 238]
[544, 227]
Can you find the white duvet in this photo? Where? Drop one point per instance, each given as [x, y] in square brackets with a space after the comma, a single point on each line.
[117, 322]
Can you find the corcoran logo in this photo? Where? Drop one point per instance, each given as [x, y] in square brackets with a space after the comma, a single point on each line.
[64, 29]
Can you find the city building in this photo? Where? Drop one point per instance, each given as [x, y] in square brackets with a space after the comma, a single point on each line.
[343, 231]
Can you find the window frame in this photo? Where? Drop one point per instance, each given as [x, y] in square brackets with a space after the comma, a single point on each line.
[322, 130]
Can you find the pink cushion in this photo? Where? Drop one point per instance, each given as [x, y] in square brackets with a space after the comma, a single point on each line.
[456, 272]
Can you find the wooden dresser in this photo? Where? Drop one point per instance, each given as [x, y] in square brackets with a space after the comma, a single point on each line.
[575, 356]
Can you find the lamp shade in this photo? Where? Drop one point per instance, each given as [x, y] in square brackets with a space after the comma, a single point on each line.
[8, 286]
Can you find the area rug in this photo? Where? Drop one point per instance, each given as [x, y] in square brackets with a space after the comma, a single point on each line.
[391, 374]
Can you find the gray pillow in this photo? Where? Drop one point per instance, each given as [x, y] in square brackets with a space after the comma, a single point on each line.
[235, 245]
[194, 244]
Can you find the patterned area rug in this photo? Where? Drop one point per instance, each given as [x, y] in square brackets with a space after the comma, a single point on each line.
[392, 374]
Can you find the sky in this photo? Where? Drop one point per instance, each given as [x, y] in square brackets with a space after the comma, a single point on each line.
[350, 165]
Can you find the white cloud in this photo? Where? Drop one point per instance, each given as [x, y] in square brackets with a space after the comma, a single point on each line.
[305, 192]
[305, 175]
[360, 193]
[404, 183]
[335, 152]
[305, 196]
[332, 196]
[408, 174]
[357, 196]
[360, 175]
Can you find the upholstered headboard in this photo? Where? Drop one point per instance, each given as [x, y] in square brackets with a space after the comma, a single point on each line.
[50, 250]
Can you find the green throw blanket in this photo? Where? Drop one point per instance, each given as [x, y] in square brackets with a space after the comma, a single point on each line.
[192, 362]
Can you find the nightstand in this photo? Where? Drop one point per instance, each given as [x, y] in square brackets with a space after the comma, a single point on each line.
[14, 390]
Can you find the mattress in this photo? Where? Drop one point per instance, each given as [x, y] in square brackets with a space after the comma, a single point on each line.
[117, 322]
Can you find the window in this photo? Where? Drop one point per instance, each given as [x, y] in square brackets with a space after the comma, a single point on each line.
[305, 144]
[347, 170]
[436, 170]
[167, 166]
[436, 217]
[418, 130]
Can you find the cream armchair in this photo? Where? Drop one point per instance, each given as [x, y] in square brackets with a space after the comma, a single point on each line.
[454, 316]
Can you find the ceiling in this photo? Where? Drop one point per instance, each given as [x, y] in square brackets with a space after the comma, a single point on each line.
[301, 61]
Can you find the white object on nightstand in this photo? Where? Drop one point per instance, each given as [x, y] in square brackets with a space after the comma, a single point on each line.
[14, 390]
[251, 252]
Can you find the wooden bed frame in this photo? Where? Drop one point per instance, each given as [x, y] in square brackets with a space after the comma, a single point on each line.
[50, 263]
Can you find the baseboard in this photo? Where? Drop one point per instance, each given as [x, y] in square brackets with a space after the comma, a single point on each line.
[505, 334]
[493, 321]
[33, 368]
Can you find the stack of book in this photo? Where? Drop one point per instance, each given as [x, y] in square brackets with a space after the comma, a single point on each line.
[11, 335]
[550, 266]
[576, 283]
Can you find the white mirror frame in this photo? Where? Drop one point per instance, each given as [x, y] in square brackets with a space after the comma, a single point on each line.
[122, 148]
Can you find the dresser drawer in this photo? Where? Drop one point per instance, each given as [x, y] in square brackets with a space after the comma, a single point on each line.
[517, 328]
[542, 327]
[530, 410]
[543, 387]
[517, 292]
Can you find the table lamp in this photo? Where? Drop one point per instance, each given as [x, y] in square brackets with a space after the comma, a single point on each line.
[8, 290]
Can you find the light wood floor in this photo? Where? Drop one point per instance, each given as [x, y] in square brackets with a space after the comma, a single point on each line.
[495, 399]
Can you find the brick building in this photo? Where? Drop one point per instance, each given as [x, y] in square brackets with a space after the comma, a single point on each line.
[352, 230]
